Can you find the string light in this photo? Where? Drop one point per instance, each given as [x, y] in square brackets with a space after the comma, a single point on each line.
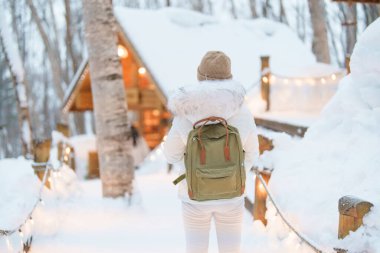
[323, 80]
[265, 79]
[333, 77]
[142, 70]
[24, 230]
[122, 51]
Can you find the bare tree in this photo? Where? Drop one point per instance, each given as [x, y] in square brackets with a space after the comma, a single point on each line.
[52, 52]
[282, 16]
[233, 9]
[252, 5]
[20, 87]
[318, 21]
[349, 21]
[371, 13]
[110, 107]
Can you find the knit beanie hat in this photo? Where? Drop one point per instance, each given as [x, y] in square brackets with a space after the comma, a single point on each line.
[215, 65]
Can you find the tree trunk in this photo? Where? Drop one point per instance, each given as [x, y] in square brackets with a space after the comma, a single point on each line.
[252, 5]
[69, 40]
[54, 58]
[283, 18]
[21, 91]
[349, 19]
[198, 5]
[110, 106]
[233, 9]
[318, 22]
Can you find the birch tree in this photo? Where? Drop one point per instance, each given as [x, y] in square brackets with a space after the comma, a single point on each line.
[320, 45]
[13, 61]
[110, 107]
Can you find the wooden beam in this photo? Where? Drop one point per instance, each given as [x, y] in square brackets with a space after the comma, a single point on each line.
[41, 149]
[265, 81]
[63, 129]
[83, 101]
[293, 130]
[358, 1]
[93, 165]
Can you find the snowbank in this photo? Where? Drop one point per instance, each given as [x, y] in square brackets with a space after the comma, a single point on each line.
[338, 156]
[19, 189]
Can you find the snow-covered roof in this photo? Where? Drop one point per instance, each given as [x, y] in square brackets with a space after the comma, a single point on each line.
[171, 43]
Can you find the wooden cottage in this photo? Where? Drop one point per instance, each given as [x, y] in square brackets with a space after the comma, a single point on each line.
[146, 102]
[160, 50]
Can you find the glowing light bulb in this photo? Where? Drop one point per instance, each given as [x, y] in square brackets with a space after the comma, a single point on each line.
[261, 188]
[272, 78]
[142, 71]
[67, 150]
[265, 79]
[323, 80]
[122, 51]
[333, 77]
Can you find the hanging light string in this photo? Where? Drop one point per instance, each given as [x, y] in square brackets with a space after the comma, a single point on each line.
[46, 167]
[272, 77]
[39, 200]
[299, 235]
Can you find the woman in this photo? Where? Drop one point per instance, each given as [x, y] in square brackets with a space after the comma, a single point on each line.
[216, 94]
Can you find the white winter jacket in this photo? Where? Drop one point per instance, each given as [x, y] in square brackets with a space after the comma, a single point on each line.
[189, 104]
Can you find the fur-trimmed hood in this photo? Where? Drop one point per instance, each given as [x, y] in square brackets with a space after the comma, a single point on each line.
[221, 98]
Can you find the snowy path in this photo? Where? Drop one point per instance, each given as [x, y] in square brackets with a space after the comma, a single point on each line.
[153, 224]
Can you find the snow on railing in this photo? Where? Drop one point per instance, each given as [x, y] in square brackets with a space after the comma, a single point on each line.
[25, 228]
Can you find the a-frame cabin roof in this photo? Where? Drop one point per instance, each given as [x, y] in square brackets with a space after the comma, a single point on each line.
[170, 43]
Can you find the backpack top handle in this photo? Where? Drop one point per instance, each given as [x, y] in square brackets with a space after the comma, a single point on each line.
[203, 149]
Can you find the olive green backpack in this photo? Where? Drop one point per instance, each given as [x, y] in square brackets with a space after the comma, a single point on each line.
[214, 161]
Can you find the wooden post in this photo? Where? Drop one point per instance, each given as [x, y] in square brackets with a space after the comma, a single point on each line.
[41, 150]
[93, 165]
[347, 63]
[264, 144]
[265, 81]
[66, 154]
[64, 129]
[351, 212]
[260, 207]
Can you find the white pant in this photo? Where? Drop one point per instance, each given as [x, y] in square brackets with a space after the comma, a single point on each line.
[228, 220]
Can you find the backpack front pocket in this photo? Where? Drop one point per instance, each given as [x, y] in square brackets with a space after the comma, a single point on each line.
[216, 182]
